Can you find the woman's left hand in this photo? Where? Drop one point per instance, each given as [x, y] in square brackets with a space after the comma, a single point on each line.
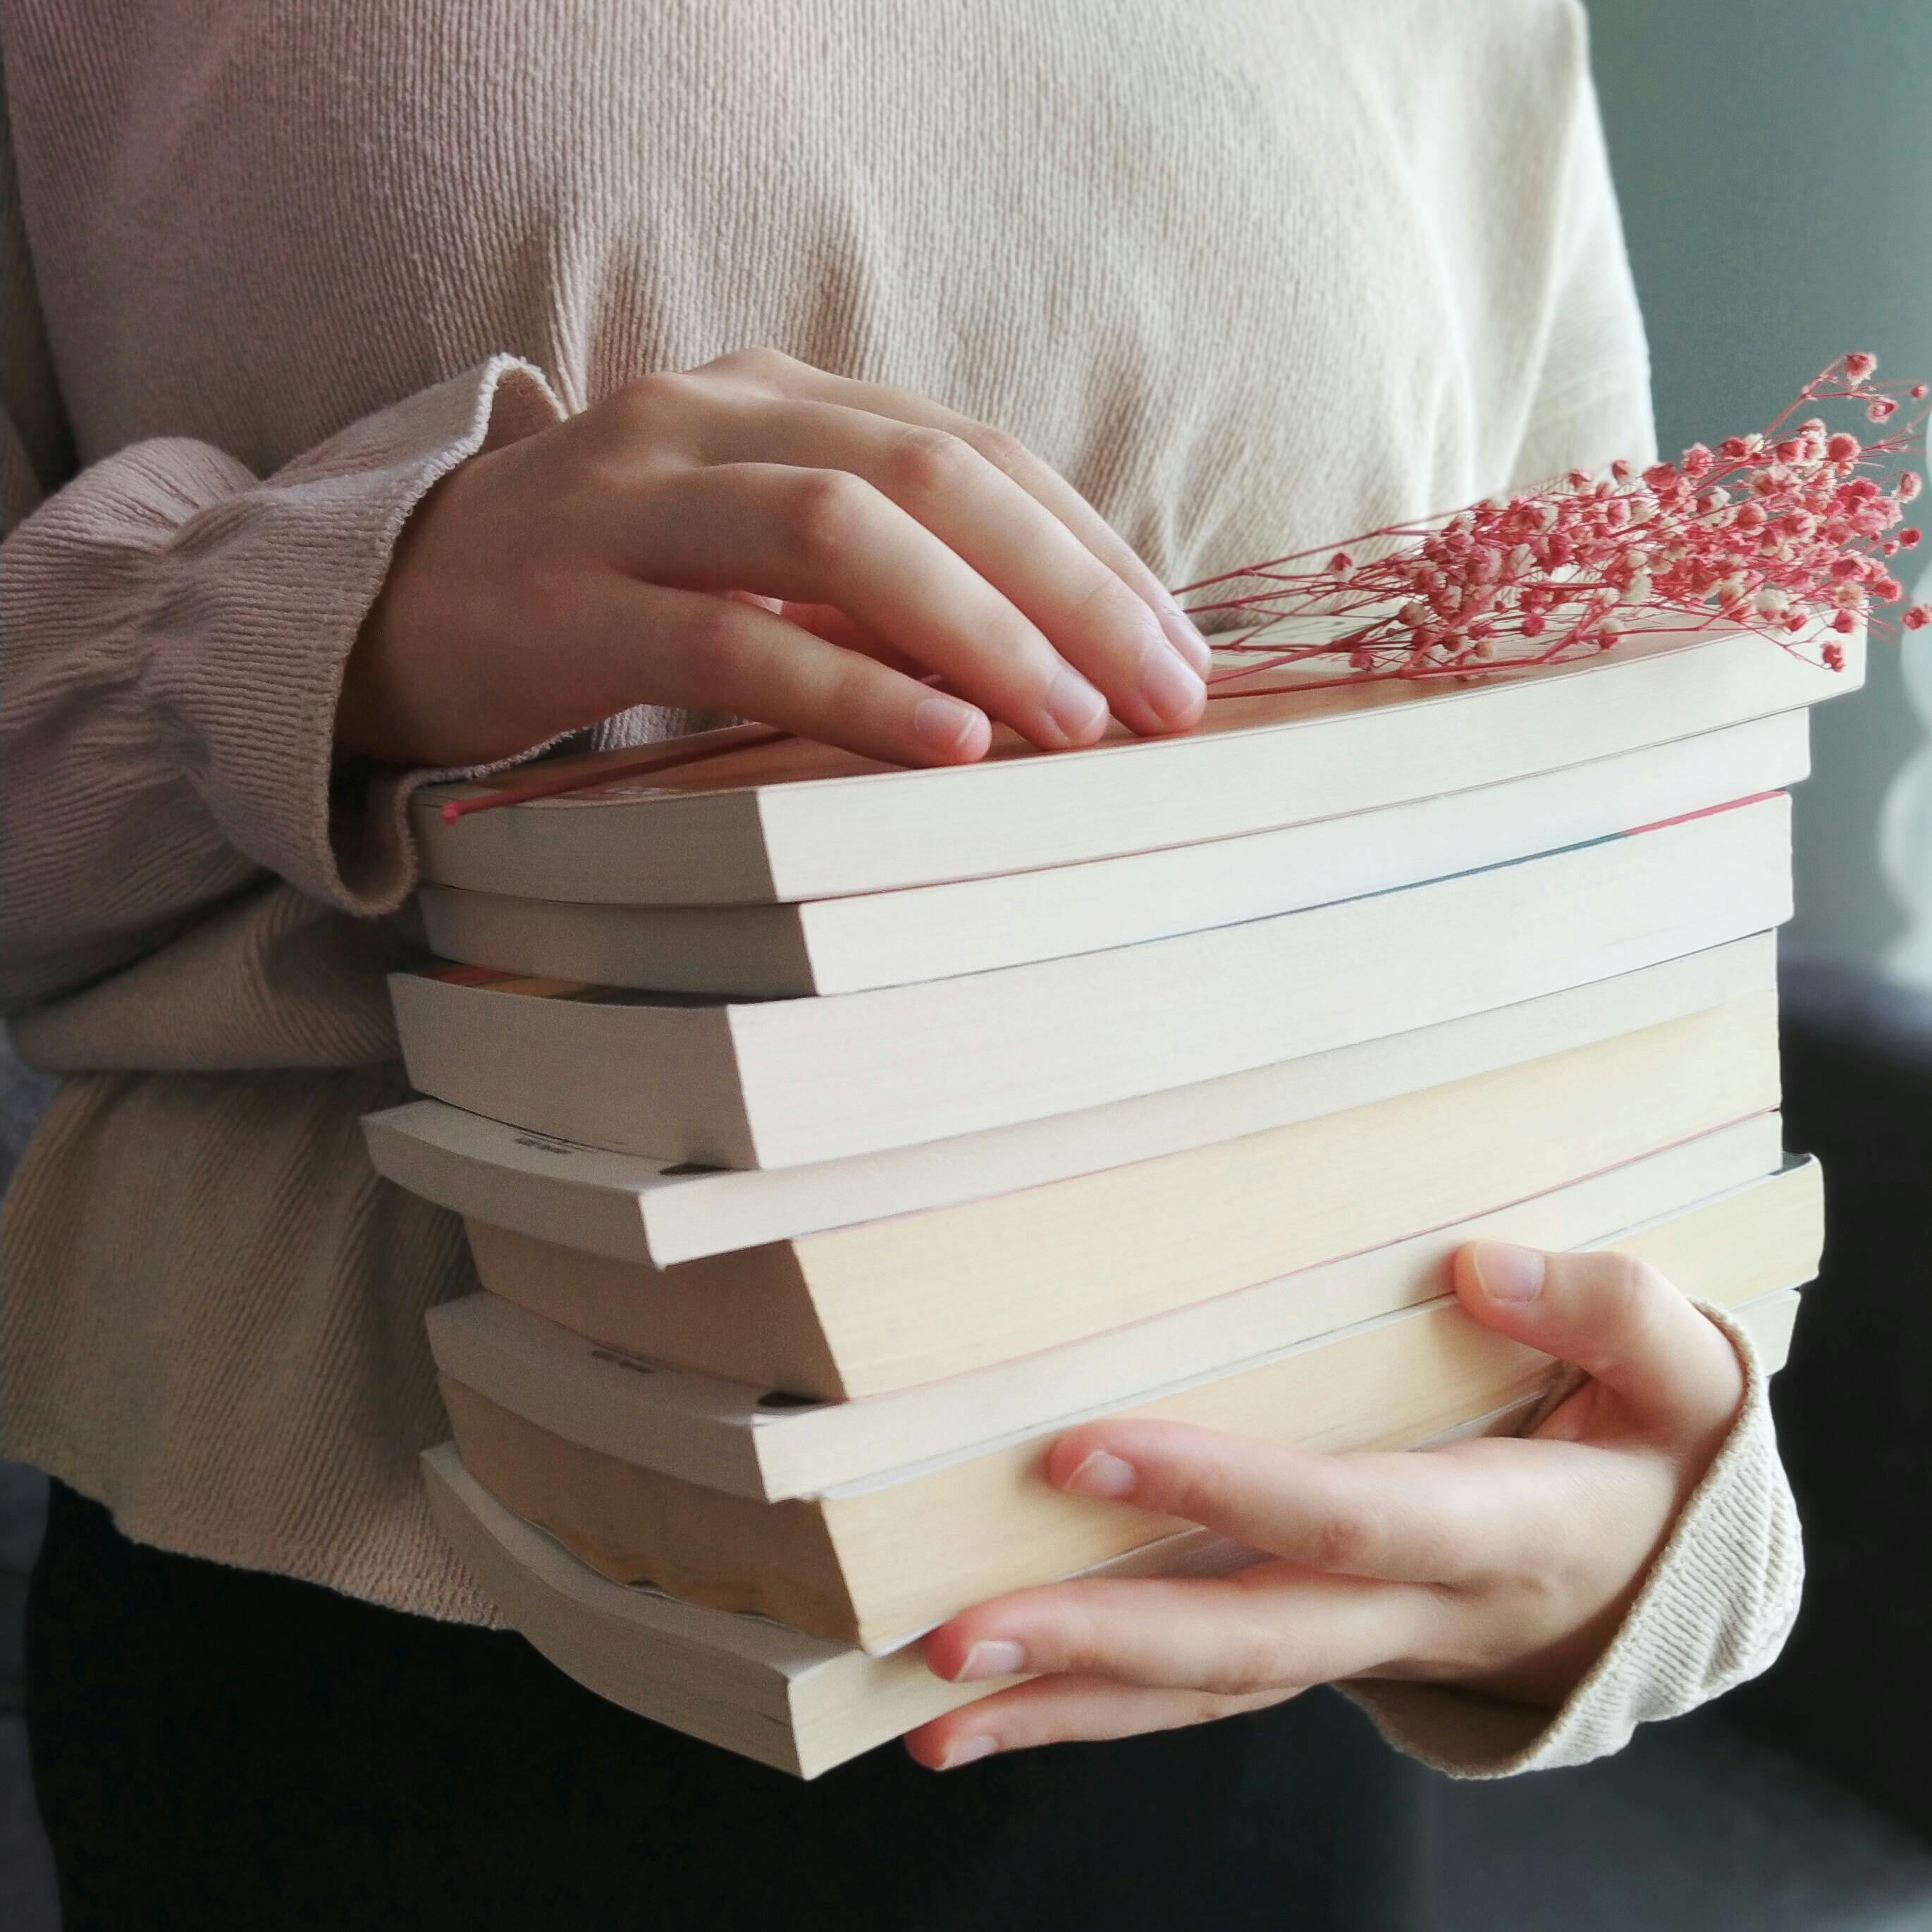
[1502, 1564]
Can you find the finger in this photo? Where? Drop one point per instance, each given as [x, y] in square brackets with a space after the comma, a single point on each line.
[829, 621]
[1083, 608]
[724, 654]
[1064, 1710]
[784, 375]
[1674, 1373]
[1263, 1628]
[826, 536]
[1404, 1517]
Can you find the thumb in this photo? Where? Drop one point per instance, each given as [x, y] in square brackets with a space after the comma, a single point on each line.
[1619, 1320]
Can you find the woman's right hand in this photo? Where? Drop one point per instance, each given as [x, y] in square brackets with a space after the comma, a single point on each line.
[759, 537]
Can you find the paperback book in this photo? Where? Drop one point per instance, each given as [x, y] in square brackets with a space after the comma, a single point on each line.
[803, 1704]
[776, 1083]
[869, 939]
[873, 1560]
[633, 1208]
[765, 1443]
[773, 823]
[892, 1303]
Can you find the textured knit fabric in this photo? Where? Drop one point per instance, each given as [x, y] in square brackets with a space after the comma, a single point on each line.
[1736, 1543]
[1253, 274]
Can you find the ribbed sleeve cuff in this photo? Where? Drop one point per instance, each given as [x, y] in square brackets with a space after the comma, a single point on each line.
[260, 602]
[1714, 1611]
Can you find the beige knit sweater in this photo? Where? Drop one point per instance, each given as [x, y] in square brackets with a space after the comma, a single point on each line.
[1252, 273]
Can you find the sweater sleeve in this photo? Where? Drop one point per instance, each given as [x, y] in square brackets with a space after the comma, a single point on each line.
[172, 634]
[1714, 1611]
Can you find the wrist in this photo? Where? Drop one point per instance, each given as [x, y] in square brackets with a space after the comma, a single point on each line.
[376, 708]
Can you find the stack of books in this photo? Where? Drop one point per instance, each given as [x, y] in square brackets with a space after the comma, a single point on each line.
[829, 1137]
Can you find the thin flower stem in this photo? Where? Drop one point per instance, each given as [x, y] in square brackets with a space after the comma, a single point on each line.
[1788, 534]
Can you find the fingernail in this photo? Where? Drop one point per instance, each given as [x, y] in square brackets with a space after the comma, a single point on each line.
[966, 1750]
[1101, 1475]
[1074, 708]
[1508, 1273]
[1171, 688]
[1181, 633]
[992, 1657]
[943, 724]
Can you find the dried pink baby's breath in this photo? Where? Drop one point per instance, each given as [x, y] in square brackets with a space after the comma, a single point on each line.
[1788, 533]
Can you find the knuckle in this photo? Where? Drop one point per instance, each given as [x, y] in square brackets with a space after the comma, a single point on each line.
[1258, 1661]
[829, 509]
[770, 368]
[650, 397]
[1626, 1287]
[1201, 1492]
[926, 463]
[851, 689]
[1081, 1653]
[1002, 449]
[1077, 1644]
[1346, 1538]
[1105, 602]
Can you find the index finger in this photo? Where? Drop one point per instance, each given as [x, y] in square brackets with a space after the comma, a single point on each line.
[1037, 478]
[1446, 1516]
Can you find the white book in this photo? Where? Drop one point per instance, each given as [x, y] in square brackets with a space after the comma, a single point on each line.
[876, 1560]
[976, 925]
[776, 1083]
[891, 1303]
[803, 1704]
[796, 820]
[763, 1444]
[630, 1208]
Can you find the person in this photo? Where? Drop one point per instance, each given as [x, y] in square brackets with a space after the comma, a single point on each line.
[394, 390]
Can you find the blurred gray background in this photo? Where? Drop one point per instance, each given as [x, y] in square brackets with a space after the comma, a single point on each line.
[1772, 157]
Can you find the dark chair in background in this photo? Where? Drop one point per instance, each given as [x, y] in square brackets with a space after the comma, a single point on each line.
[1801, 1803]
[1854, 1687]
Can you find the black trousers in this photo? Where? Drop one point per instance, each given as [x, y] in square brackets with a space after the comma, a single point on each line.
[216, 1748]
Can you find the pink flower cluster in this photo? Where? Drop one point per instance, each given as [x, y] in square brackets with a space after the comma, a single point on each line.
[1790, 532]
